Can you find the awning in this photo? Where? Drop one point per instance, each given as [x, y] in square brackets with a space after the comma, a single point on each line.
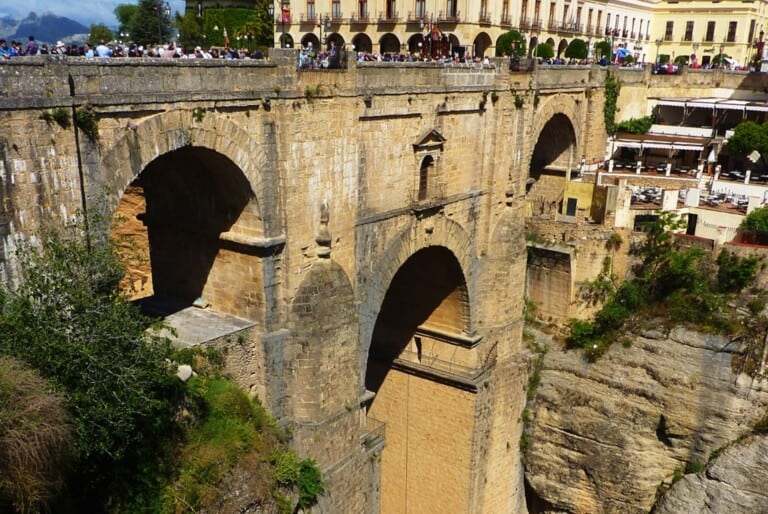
[713, 103]
[660, 141]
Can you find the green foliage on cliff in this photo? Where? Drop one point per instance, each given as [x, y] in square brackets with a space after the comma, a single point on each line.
[671, 282]
[612, 88]
[635, 125]
[141, 440]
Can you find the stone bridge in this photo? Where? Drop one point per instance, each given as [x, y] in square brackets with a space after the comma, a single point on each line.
[362, 230]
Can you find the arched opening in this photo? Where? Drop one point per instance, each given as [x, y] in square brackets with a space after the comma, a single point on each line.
[550, 42]
[389, 44]
[481, 44]
[532, 44]
[425, 171]
[418, 352]
[170, 223]
[455, 46]
[337, 40]
[310, 40]
[561, 47]
[416, 45]
[362, 43]
[286, 41]
[552, 159]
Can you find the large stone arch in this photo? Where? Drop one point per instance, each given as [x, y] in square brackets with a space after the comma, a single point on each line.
[418, 235]
[124, 160]
[170, 151]
[557, 104]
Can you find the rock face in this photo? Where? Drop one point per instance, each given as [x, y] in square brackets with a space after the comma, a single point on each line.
[605, 435]
[734, 483]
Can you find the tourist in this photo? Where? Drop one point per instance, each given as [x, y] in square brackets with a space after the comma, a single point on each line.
[31, 48]
[88, 51]
[102, 50]
[5, 53]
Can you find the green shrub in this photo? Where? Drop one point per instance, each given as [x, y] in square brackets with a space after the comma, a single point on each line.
[694, 466]
[87, 121]
[734, 273]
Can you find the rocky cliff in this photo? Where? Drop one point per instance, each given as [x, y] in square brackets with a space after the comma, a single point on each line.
[607, 436]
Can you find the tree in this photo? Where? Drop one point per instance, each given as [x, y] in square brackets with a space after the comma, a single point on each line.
[100, 32]
[146, 22]
[603, 48]
[545, 51]
[511, 43]
[190, 29]
[69, 321]
[125, 14]
[747, 137]
[577, 49]
[757, 222]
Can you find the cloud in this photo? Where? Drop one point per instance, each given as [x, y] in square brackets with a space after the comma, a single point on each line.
[94, 12]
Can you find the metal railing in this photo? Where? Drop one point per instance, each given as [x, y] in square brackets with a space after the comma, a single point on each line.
[449, 17]
[306, 18]
[388, 18]
[506, 20]
[484, 18]
[359, 18]
[432, 194]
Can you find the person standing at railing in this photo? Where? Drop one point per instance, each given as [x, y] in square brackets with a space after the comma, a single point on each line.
[31, 48]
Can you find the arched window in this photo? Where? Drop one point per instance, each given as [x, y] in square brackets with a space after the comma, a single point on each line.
[427, 165]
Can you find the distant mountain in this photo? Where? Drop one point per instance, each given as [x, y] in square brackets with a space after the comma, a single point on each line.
[47, 28]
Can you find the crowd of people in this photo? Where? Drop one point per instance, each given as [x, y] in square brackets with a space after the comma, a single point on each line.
[105, 50]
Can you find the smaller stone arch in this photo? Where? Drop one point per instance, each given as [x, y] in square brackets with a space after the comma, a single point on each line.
[561, 47]
[481, 44]
[362, 43]
[532, 44]
[416, 44]
[550, 41]
[453, 41]
[286, 41]
[389, 44]
[310, 40]
[337, 39]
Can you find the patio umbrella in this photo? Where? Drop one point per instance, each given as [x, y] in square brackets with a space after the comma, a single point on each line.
[621, 53]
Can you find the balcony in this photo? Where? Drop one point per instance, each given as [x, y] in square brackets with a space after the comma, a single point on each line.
[388, 18]
[359, 19]
[285, 19]
[525, 24]
[415, 17]
[536, 24]
[506, 20]
[632, 35]
[570, 27]
[428, 198]
[337, 17]
[309, 19]
[484, 18]
[449, 17]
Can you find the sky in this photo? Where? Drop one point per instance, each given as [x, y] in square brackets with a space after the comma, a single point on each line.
[94, 11]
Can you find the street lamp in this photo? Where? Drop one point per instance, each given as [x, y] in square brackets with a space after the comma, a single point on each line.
[165, 11]
[658, 44]
[720, 55]
[325, 22]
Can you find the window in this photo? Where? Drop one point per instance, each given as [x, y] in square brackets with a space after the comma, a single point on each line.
[552, 11]
[751, 36]
[688, 31]
[450, 8]
[336, 9]
[731, 37]
[524, 11]
[391, 10]
[310, 9]
[710, 31]
[421, 8]
[362, 10]
[670, 28]
[424, 172]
